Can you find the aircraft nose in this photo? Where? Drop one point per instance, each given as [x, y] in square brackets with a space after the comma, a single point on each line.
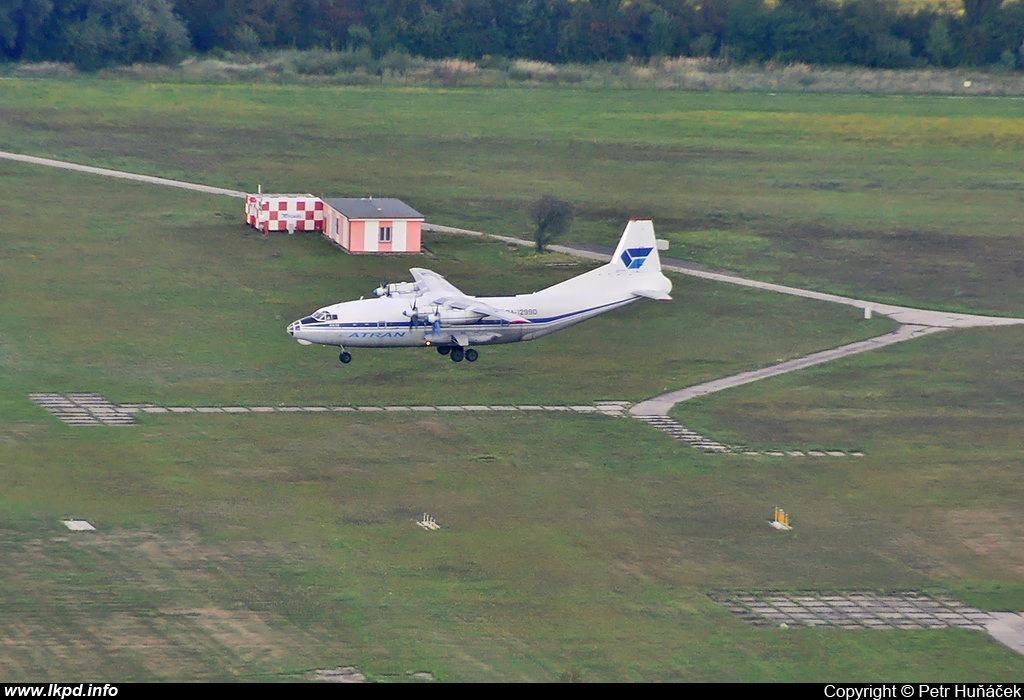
[292, 327]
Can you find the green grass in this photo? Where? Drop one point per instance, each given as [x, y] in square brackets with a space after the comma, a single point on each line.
[903, 199]
[265, 548]
[259, 547]
[940, 421]
[182, 303]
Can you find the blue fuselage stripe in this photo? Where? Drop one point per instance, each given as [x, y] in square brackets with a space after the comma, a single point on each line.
[328, 325]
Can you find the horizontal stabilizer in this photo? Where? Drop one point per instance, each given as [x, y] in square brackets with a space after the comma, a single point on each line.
[651, 294]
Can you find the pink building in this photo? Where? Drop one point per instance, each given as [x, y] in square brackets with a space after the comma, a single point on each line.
[373, 225]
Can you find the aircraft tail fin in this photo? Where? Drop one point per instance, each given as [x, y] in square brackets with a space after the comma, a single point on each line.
[637, 256]
[637, 249]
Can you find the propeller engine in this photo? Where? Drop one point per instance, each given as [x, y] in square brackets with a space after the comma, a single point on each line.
[399, 289]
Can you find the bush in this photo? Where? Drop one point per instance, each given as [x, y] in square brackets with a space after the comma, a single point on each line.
[552, 218]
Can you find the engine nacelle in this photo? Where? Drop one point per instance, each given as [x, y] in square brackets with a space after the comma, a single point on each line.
[458, 316]
[396, 290]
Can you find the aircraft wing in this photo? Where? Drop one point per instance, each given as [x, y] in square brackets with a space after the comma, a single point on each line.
[445, 293]
[430, 281]
[650, 294]
[476, 306]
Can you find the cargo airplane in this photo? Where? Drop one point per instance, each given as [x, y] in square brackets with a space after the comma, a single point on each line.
[431, 312]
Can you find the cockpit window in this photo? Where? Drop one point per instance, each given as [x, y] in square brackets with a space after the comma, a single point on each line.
[324, 316]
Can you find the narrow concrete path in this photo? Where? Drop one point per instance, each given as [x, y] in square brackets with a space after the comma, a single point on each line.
[90, 408]
[64, 165]
[661, 405]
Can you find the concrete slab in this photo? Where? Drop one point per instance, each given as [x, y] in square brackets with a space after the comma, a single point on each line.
[1007, 628]
[78, 525]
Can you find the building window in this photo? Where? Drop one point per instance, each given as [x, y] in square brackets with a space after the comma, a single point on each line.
[385, 234]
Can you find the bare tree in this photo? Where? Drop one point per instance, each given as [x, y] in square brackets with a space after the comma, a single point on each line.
[552, 218]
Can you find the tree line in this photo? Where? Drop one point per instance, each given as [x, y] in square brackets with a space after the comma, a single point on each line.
[872, 33]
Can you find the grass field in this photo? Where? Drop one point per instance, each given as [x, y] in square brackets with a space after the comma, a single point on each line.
[261, 547]
[913, 199]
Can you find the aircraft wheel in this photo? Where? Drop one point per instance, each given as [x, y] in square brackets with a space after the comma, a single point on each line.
[443, 349]
[471, 355]
[345, 357]
[457, 354]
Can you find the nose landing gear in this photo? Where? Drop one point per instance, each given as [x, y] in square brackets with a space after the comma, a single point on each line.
[345, 357]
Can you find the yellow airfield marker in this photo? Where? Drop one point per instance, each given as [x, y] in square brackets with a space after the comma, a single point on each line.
[781, 520]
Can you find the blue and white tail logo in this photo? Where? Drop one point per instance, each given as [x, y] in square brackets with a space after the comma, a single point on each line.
[634, 258]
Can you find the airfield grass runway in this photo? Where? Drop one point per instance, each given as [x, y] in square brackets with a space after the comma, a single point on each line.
[269, 546]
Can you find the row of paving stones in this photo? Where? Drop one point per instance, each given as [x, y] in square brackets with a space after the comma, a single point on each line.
[608, 408]
[854, 610]
[681, 432]
[90, 409]
[93, 409]
[83, 409]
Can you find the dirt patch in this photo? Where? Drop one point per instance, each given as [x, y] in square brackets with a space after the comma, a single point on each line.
[244, 632]
[435, 427]
[134, 604]
[994, 534]
[342, 674]
[20, 432]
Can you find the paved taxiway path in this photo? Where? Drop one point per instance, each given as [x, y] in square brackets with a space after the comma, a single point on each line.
[661, 405]
[64, 165]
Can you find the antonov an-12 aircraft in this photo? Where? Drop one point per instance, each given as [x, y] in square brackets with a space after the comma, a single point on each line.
[431, 312]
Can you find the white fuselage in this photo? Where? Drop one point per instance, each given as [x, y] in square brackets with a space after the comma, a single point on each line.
[390, 321]
[430, 311]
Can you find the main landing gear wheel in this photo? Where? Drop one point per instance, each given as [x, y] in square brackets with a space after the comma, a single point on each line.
[471, 355]
[443, 349]
[457, 354]
[345, 357]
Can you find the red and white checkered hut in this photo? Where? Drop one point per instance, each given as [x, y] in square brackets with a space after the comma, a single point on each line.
[373, 225]
[284, 212]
